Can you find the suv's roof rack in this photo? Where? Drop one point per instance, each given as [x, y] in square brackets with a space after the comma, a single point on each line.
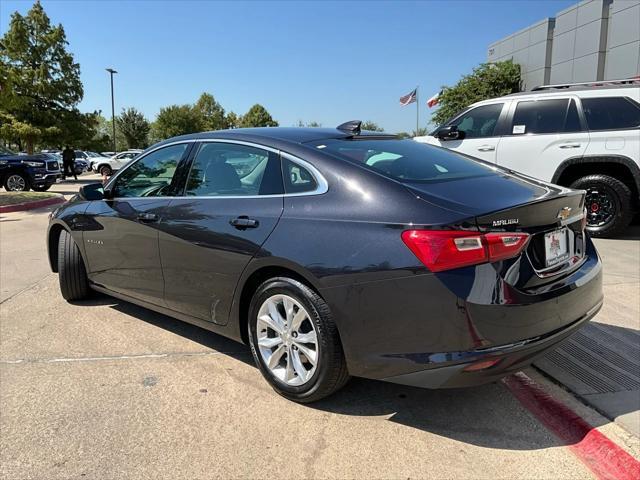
[595, 84]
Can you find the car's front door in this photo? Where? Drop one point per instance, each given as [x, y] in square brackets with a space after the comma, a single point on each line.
[232, 202]
[481, 132]
[540, 135]
[122, 246]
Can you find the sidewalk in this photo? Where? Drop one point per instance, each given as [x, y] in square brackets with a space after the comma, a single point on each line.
[601, 363]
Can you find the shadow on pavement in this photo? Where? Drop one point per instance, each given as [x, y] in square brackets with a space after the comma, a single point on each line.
[487, 416]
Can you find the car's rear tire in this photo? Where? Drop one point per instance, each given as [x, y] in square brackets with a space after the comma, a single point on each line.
[105, 170]
[608, 204]
[285, 345]
[41, 188]
[72, 274]
[16, 182]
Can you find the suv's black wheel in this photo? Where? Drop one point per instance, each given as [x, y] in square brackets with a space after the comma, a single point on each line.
[105, 170]
[41, 188]
[16, 182]
[608, 204]
[72, 274]
[295, 342]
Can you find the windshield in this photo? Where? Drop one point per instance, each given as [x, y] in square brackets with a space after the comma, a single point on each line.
[5, 151]
[406, 160]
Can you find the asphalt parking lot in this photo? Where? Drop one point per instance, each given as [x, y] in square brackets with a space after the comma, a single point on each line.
[105, 389]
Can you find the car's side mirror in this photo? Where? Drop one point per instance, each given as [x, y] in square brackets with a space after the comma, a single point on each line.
[93, 191]
[450, 132]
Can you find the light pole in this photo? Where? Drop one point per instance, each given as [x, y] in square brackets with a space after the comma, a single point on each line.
[113, 110]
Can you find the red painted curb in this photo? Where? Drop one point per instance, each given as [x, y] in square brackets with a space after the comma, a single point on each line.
[603, 457]
[19, 207]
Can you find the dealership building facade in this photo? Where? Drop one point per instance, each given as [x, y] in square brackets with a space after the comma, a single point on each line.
[591, 40]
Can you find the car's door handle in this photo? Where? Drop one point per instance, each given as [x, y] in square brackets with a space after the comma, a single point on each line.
[486, 148]
[570, 145]
[148, 217]
[243, 222]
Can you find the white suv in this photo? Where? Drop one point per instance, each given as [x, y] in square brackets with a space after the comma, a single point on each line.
[584, 136]
[106, 166]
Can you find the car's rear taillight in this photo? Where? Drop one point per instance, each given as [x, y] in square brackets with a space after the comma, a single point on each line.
[447, 249]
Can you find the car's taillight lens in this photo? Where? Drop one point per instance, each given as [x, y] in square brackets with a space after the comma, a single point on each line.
[447, 249]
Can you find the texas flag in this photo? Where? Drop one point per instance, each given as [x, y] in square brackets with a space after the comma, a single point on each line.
[433, 100]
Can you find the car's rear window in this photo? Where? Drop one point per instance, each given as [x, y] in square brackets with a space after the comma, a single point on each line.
[405, 160]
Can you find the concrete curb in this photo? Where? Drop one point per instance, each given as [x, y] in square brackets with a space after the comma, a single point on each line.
[19, 207]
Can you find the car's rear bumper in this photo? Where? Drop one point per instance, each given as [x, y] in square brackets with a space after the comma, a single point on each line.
[508, 359]
[435, 325]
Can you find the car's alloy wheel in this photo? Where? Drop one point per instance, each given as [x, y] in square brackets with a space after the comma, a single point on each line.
[601, 206]
[16, 183]
[295, 341]
[287, 340]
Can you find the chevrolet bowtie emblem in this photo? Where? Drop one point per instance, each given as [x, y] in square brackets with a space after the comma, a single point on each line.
[564, 213]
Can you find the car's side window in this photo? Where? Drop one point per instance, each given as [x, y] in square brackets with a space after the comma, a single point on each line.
[151, 176]
[611, 113]
[229, 169]
[479, 122]
[297, 179]
[539, 116]
[572, 122]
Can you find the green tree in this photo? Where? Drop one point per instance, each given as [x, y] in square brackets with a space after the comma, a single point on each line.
[257, 116]
[134, 127]
[232, 120]
[371, 126]
[488, 80]
[213, 115]
[177, 120]
[39, 80]
[312, 124]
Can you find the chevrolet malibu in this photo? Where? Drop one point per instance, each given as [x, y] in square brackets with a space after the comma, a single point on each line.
[337, 253]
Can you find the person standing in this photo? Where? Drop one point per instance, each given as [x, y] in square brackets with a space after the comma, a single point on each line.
[68, 160]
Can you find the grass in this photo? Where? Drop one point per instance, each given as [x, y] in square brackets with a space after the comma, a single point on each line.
[11, 198]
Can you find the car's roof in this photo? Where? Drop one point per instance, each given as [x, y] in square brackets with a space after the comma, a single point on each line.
[286, 134]
[632, 91]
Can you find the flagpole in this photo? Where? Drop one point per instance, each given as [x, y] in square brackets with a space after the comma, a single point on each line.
[417, 110]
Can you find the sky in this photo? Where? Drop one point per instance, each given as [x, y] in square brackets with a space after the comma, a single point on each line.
[323, 61]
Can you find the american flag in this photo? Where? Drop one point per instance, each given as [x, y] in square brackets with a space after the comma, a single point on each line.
[409, 98]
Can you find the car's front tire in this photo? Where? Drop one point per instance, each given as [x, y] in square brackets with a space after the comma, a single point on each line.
[72, 274]
[608, 204]
[295, 342]
[16, 182]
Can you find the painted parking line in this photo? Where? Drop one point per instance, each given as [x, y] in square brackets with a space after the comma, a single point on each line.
[603, 457]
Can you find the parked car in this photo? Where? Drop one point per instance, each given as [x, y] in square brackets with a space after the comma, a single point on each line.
[24, 172]
[586, 136]
[80, 166]
[106, 166]
[338, 253]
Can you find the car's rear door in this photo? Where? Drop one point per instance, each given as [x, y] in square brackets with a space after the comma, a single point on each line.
[541, 134]
[122, 247]
[232, 201]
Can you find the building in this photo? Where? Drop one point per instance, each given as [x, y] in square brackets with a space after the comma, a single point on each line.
[591, 40]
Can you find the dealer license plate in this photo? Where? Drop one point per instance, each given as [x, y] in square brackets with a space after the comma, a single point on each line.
[556, 247]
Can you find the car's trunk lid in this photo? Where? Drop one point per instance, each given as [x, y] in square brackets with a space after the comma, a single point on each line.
[513, 202]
